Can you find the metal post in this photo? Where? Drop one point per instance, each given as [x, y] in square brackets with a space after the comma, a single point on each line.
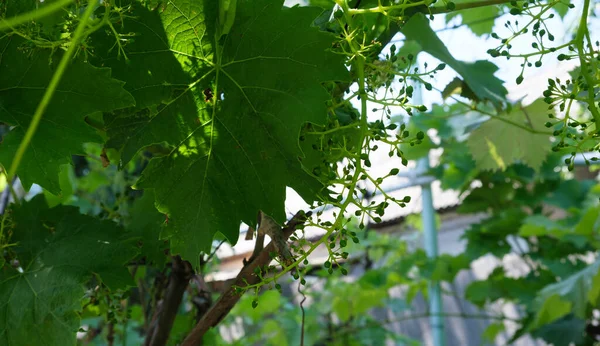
[430, 240]
[431, 248]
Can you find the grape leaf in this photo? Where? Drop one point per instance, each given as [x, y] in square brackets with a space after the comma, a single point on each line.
[479, 75]
[66, 181]
[147, 223]
[581, 234]
[15, 8]
[490, 236]
[460, 87]
[562, 8]
[492, 330]
[499, 286]
[58, 250]
[83, 89]
[594, 292]
[231, 107]
[479, 20]
[570, 193]
[577, 290]
[496, 144]
[566, 331]
[554, 308]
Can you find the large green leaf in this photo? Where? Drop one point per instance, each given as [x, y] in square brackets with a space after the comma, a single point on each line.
[566, 331]
[496, 144]
[554, 307]
[570, 193]
[580, 289]
[354, 300]
[479, 76]
[499, 286]
[582, 234]
[479, 20]
[232, 109]
[147, 223]
[58, 250]
[443, 268]
[490, 236]
[84, 89]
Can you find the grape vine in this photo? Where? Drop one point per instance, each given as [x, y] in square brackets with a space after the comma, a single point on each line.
[213, 109]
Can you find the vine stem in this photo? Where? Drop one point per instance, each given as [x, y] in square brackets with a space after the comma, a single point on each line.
[579, 41]
[468, 5]
[501, 118]
[56, 77]
[33, 15]
[303, 313]
[384, 9]
[231, 296]
[542, 52]
[431, 10]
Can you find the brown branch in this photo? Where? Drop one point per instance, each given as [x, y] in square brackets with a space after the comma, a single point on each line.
[110, 335]
[246, 276]
[258, 247]
[202, 297]
[181, 273]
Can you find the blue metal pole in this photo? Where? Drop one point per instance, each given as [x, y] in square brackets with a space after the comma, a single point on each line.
[430, 241]
[431, 248]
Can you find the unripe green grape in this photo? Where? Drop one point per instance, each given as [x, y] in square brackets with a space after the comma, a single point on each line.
[493, 53]
[519, 79]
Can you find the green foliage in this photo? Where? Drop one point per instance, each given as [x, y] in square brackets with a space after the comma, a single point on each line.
[238, 154]
[58, 251]
[564, 332]
[498, 142]
[339, 314]
[215, 108]
[147, 223]
[478, 76]
[575, 292]
[86, 89]
[492, 331]
[479, 20]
